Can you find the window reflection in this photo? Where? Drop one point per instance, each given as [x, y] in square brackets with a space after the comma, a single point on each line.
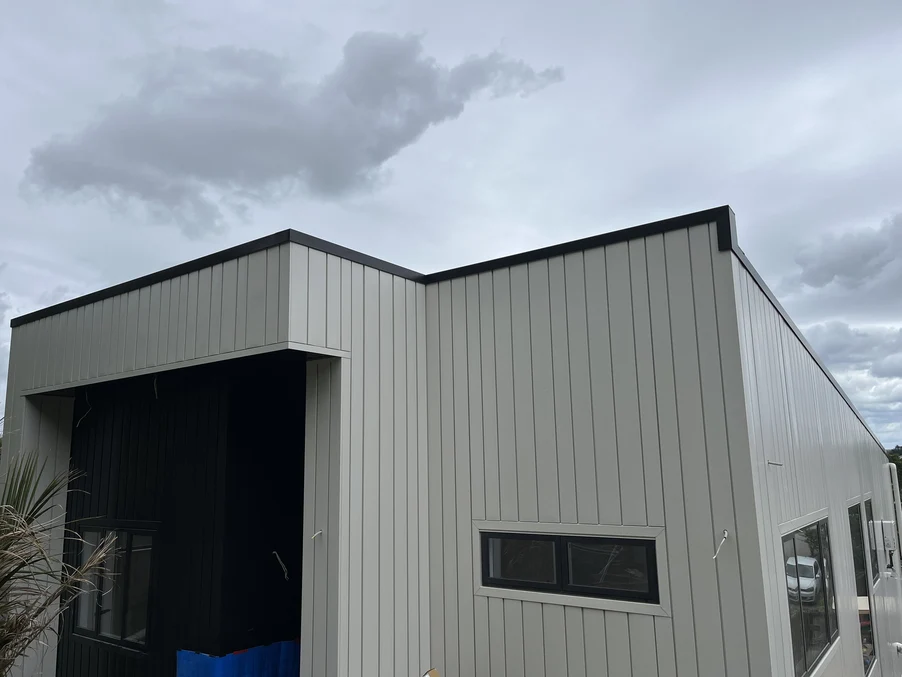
[809, 589]
[862, 587]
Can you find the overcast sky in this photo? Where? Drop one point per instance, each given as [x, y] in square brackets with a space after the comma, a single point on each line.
[140, 134]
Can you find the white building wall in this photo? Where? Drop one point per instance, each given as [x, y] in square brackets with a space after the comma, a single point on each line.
[811, 455]
[587, 390]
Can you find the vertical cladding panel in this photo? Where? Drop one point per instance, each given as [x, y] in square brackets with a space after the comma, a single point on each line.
[434, 449]
[182, 323]
[533, 640]
[386, 462]
[143, 340]
[448, 491]
[298, 292]
[626, 386]
[587, 487]
[333, 301]
[370, 620]
[229, 306]
[204, 303]
[645, 375]
[617, 641]
[504, 385]
[273, 302]
[489, 397]
[331, 521]
[216, 307]
[256, 299]
[690, 415]
[671, 466]
[549, 503]
[461, 455]
[357, 498]
[474, 399]
[346, 267]
[513, 638]
[241, 309]
[153, 327]
[190, 317]
[666, 659]
[284, 283]
[643, 660]
[106, 338]
[576, 643]
[732, 336]
[714, 415]
[399, 472]
[555, 639]
[424, 501]
[595, 643]
[172, 338]
[524, 413]
[414, 488]
[497, 650]
[96, 320]
[563, 415]
[316, 299]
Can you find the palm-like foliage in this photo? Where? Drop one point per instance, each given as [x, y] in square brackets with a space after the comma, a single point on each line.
[35, 584]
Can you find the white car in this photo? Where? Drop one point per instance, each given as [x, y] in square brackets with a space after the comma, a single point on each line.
[808, 582]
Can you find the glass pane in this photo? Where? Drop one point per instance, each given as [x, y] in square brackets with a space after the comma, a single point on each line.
[795, 606]
[810, 581]
[87, 602]
[138, 589]
[827, 566]
[112, 586]
[869, 515]
[861, 582]
[608, 565]
[522, 560]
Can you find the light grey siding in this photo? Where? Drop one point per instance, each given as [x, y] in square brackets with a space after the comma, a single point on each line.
[585, 390]
[809, 453]
[241, 304]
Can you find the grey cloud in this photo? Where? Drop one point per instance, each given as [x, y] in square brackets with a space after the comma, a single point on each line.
[874, 350]
[212, 130]
[851, 258]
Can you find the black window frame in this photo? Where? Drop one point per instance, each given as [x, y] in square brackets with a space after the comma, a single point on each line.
[561, 551]
[825, 564]
[870, 530]
[98, 589]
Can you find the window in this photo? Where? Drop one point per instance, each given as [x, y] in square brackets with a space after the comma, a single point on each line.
[869, 515]
[809, 587]
[618, 568]
[863, 588]
[114, 606]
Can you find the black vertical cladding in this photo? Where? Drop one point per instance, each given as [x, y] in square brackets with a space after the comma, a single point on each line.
[213, 458]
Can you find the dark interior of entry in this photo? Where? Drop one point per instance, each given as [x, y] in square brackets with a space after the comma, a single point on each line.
[206, 462]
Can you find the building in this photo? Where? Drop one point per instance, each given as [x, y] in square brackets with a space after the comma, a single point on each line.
[614, 456]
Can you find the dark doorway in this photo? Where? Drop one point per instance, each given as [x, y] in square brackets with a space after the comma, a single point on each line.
[200, 473]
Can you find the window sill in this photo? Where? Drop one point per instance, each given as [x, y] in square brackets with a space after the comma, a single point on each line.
[108, 644]
[573, 600]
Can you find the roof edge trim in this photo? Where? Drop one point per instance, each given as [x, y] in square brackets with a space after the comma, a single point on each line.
[722, 216]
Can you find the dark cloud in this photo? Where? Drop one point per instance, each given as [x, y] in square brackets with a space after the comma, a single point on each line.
[208, 131]
[851, 259]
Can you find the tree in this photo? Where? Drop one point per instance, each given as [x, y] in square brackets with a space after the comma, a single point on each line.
[895, 456]
[36, 586]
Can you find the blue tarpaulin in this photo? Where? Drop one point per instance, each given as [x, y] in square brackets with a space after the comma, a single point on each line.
[282, 659]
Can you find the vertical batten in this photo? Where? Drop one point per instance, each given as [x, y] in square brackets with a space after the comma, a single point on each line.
[436, 573]
[504, 379]
[241, 314]
[357, 498]
[216, 306]
[385, 453]
[190, 318]
[227, 328]
[489, 397]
